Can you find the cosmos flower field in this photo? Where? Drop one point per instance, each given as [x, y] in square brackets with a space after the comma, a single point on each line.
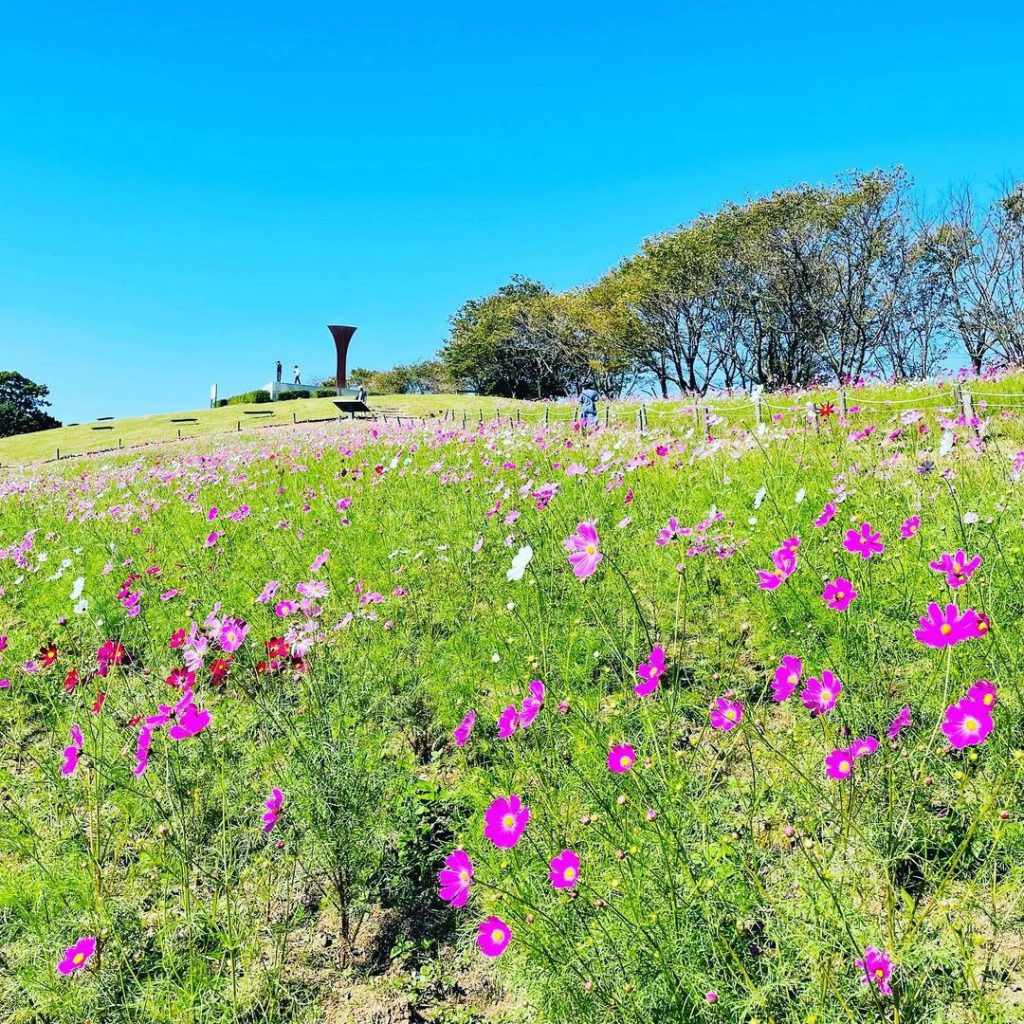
[648, 726]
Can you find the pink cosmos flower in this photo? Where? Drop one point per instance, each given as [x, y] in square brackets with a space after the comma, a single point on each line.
[212, 539]
[899, 723]
[910, 527]
[787, 677]
[877, 968]
[784, 560]
[947, 628]
[505, 820]
[455, 878]
[621, 758]
[72, 752]
[565, 870]
[77, 956]
[864, 541]
[189, 720]
[957, 568]
[839, 764]
[668, 533]
[320, 561]
[583, 550]
[839, 594]
[650, 672]
[266, 595]
[967, 723]
[531, 704]
[493, 936]
[314, 589]
[508, 721]
[863, 747]
[284, 608]
[232, 634]
[726, 714]
[820, 695]
[827, 515]
[984, 692]
[274, 803]
[464, 728]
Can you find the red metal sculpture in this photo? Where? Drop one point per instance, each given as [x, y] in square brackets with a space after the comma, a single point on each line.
[342, 336]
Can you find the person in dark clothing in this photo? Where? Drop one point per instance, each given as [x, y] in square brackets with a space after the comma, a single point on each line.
[588, 406]
[279, 369]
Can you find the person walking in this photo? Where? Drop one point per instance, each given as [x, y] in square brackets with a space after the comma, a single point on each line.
[280, 368]
[588, 406]
[298, 375]
[361, 394]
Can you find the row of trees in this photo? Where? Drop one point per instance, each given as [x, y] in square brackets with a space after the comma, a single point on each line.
[810, 283]
[23, 405]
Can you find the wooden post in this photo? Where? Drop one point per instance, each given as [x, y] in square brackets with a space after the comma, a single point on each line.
[607, 412]
[481, 417]
[967, 405]
[240, 424]
[179, 433]
[58, 455]
[842, 402]
[119, 444]
[519, 415]
[463, 419]
[643, 416]
[757, 410]
[705, 426]
[294, 420]
[399, 420]
[547, 413]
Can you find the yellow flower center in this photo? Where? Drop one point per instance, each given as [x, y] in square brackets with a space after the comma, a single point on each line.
[625, 761]
[497, 935]
[794, 678]
[826, 696]
[463, 875]
[987, 699]
[591, 549]
[509, 821]
[879, 972]
[971, 724]
[957, 567]
[945, 629]
[78, 958]
[569, 874]
[840, 595]
[844, 766]
[982, 626]
[730, 714]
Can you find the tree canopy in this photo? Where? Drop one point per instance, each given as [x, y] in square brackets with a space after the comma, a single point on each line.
[23, 405]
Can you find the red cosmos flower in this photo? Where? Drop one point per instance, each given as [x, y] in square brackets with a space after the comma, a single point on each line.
[177, 639]
[97, 704]
[47, 655]
[71, 680]
[261, 668]
[219, 670]
[181, 678]
[277, 647]
[825, 410]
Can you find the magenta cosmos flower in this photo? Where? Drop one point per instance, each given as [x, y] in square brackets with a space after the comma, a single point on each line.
[455, 878]
[531, 704]
[947, 628]
[464, 728]
[191, 721]
[820, 695]
[508, 721]
[505, 820]
[274, 804]
[910, 527]
[827, 515]
[899, 723]
[863, 747]
[967, 723]
[621, 758]
[583, 550]
[839, 764]
[957, 568]
[787, 677]
[650, 672]
[565, 870]
[73, 751]
[77, 956]
[726, 714]
[839, 594]
[784, 560]
[877, 968]
[232, 634]
[493, 936]
[864, 541]
[984, 692]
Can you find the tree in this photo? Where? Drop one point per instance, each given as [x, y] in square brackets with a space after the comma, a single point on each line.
[22, 405]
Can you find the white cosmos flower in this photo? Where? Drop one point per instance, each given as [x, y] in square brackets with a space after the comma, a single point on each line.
[947, 442]
[77, 587]
[519, 563]
[760, 496]
[801, 494]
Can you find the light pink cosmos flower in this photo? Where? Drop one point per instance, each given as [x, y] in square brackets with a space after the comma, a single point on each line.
[650, 672]
[77, 956]
[787, 677]
[582, 546]
[232, 634]
[455, 878]
[819, 696]
[827, 515]
[72, 752]
[899, 723]
[877, 968]
[863, 747]
[314, 589]
[957, 568]
[668, 533]
[726, 714]
[505, 820]
[493, 936]
[266, 595]
[910, 527]
[531, 704]
[320, 561]
[274, 804]
[967, 723]
[621, 758]
[947, 628]
[839, 764]
[464, 728]
[564, 870]
[839, 594]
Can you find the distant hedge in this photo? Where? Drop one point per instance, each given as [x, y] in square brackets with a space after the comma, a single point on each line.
[259, 397]
[290, 396]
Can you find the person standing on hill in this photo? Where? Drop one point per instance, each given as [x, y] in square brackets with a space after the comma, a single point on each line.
[279, 370]
[298, 375]
[588, 406]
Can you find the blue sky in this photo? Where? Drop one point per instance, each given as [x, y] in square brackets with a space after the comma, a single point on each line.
[190, 191]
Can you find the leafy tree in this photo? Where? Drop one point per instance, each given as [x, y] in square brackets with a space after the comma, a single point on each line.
[22, 405]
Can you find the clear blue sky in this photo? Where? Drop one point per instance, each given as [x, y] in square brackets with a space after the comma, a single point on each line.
[189, 191]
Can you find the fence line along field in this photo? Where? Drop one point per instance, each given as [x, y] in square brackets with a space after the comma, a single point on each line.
[513, 722]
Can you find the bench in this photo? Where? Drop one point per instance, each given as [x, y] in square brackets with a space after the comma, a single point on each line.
[102, 428]
[100, 419]
[258, 412]
[186, 419]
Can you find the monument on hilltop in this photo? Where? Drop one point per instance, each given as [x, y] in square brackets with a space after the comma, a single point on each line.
[342, 337]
